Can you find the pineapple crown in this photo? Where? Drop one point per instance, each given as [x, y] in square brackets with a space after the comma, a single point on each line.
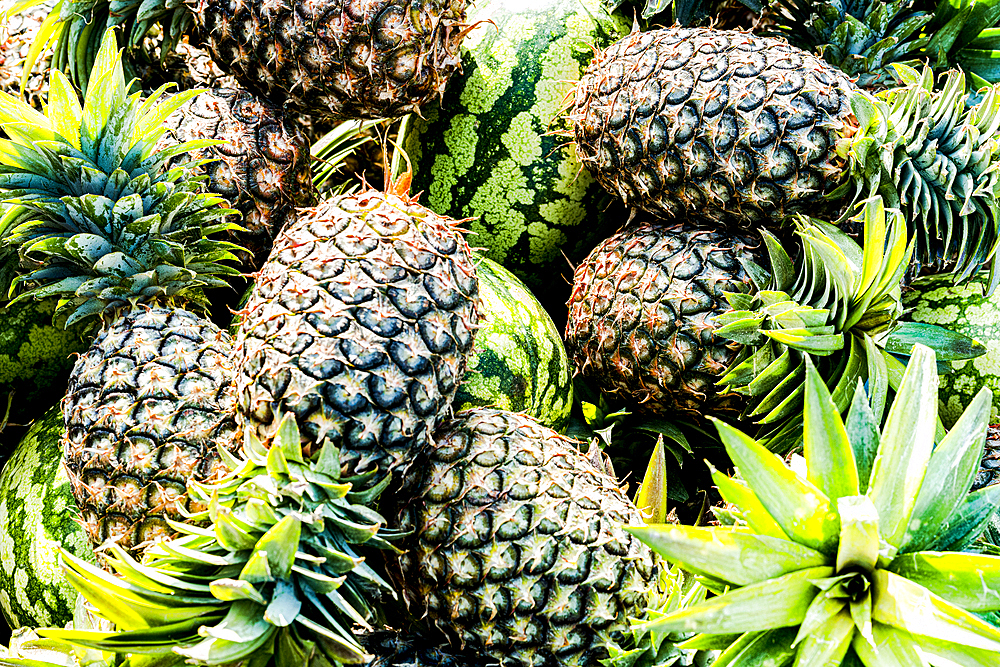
[859, 37]
[96, 219]
[275, 579]
[935, 160]
[74, 30]
[831, 308]
[846, 555]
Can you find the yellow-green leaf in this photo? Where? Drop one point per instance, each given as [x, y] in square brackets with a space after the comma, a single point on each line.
[804, 512]
[739, 494]
[828, 453]
[909, 606]
[969, 581]
[775, 603]
[905, 448]
[721, 552]
[651, 498]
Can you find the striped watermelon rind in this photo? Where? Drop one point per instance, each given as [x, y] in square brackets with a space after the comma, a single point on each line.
[37, 517]
[493, 152]
[519, 362]
[35, 355]
[963, 309]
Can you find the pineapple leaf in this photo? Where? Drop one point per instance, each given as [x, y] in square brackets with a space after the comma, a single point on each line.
[782, 267]
[821, 610]
[64, 108]
[651, 497]
[828, 453]
[949, 653]
[774, 603]
[740, 495]
[720, 552]
[970, 581]
[827, 644]
[105, 92]
[895, 648]
[968, 521]
[804, 513]
[859, 539]
[280, 543]
[906, 605]
[758, 649]
[285, 605]
[806, 340]
[950, 473]
[947, 345]
[230, 590]
[862, 432]
[907, 441]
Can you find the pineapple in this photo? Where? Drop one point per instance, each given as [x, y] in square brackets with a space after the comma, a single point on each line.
[642, 315]
[415, 649]
[862, 38]
[989, 466]
[733, 128]
[262, 169]
[337, 59]
[102, 226]
[517, 549]
[640, 326]
[277, 578]
[852, 554]
[359, 323]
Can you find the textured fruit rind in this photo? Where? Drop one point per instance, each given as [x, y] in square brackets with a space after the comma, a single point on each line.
[519, 362]
[936, 300]
[518, 547]
[491, 153]
[38, 515]
[34, 354]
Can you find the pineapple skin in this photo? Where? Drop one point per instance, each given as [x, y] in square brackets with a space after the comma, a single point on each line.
[641, 317]
[989, 466]
[359, 323]
[262, 169]
[518, 549]
[726, 126]
[412, 648]
[146, 408]
[337, 58]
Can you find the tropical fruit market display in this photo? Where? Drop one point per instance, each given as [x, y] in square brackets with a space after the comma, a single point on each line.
[557, 334]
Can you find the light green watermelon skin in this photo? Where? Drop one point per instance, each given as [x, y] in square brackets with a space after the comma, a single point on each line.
[936, 300]
[35, 356]
[492, 152]
[38, 515]
[519, 362]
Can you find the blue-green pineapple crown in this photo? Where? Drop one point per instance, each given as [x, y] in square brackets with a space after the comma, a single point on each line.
[93, 215]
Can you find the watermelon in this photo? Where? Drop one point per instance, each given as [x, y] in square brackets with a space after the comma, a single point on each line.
[963, 309]
[38, 515]
[35, 357]
[493, 151]
[519, 362]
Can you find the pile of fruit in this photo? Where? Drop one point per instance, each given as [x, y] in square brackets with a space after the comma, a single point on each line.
[657, 346]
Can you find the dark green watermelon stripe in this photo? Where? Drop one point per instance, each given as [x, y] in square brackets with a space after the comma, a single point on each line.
[493, 151]
[519, 362]
[38, 516]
